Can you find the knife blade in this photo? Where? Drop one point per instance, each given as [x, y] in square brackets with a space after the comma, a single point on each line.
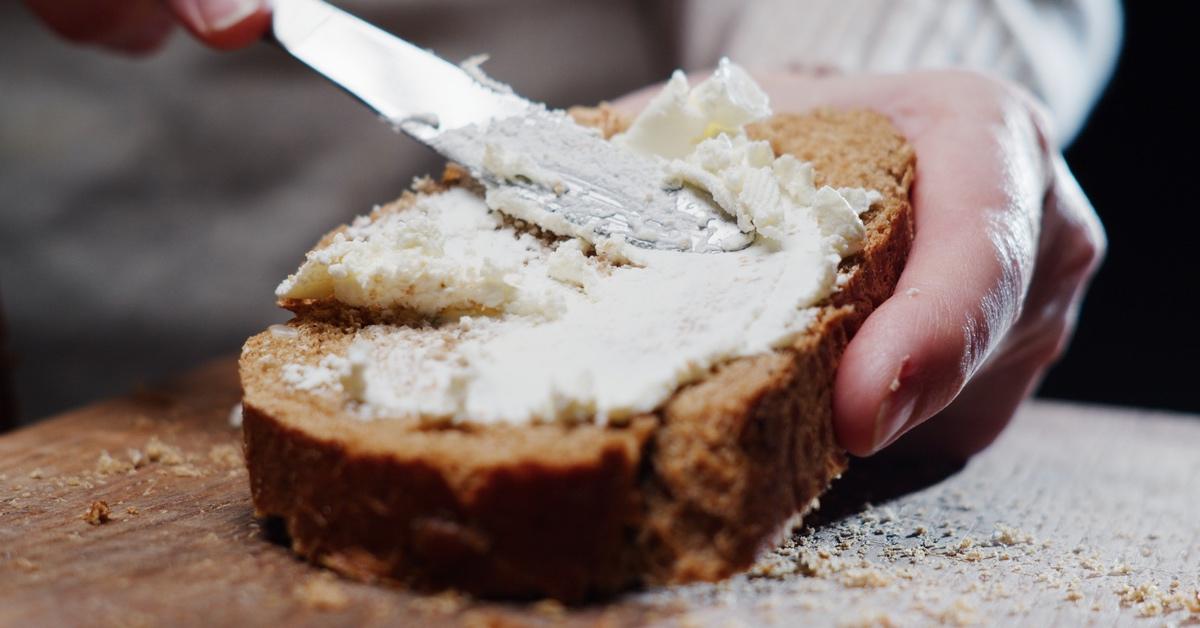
[600, 190]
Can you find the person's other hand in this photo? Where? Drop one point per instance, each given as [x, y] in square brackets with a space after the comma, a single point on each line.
[1006, 243]
[141, 26]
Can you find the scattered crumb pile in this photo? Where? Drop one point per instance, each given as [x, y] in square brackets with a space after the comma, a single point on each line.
[885, 567]
[172, 458]
[109, 478]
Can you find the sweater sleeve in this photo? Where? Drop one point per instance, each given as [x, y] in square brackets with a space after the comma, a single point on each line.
[1062, 50]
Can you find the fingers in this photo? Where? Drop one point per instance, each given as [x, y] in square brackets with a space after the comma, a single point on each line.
[130, 26]
[224, 24]
[977, 196]
[972, 421]
[1071, 248]
[1072, 245]
[914, 354]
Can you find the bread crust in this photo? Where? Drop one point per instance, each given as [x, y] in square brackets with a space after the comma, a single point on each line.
[690, 492]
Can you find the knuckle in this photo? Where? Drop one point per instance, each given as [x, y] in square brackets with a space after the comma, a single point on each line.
[1093, 247]
[1096, 237]
[1043, 339]
[1086, 248]
[1083, 234]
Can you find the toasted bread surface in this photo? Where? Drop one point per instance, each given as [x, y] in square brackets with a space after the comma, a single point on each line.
[689, 492]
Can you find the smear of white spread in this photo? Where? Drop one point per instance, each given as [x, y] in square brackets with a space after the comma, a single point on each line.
[589, 328]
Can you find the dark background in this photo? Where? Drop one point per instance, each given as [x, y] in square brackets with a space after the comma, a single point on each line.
[1138, 341]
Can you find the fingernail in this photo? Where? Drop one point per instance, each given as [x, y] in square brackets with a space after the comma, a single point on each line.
[897, 407]
[211, 16]
[895, 413]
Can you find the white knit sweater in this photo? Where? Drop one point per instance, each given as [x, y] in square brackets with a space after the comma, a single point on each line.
[1063, 50]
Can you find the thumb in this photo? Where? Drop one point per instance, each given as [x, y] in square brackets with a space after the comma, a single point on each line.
[914, 354]
[977, 202]
[224, 24]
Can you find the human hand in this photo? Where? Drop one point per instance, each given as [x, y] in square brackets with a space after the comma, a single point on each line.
[1005, 245]
[141, 26]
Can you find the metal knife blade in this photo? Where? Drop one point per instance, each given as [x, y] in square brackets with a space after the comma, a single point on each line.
[406, 85]
[443, 106]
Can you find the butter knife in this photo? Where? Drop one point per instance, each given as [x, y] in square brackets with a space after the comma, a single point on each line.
[599, 189]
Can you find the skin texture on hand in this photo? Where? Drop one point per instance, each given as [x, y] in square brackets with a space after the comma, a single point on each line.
[142, 26]
[1006, 243]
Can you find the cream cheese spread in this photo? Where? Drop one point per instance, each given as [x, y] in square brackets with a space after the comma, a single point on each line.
[584, 328]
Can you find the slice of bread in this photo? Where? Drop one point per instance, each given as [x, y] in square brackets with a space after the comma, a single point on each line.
[689, 492]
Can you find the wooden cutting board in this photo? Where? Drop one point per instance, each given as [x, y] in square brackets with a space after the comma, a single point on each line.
[1077, 515]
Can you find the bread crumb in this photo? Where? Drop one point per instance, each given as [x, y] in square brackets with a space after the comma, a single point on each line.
[912, 292]
[133, 511]
[136, 457]
[959, 613]
[321, 593]
[1130, 594]
[226, 455]
[26, 564]
[1009, 536]
[1073, 592]
[1150, 608]
[98, 513]
[550, 608]
[1151, 601]
[444, 603]
[1120, 569]
[865, 578]
[871, 619]
[37, 474]
[424, 184]
[107, 465]
[1192, 602]
[186, 471]
[158, 451]
[235, 417]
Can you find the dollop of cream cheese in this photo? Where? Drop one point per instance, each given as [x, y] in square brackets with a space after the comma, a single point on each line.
[578, 330]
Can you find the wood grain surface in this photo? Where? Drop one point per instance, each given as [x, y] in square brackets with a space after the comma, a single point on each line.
[1078, 515]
